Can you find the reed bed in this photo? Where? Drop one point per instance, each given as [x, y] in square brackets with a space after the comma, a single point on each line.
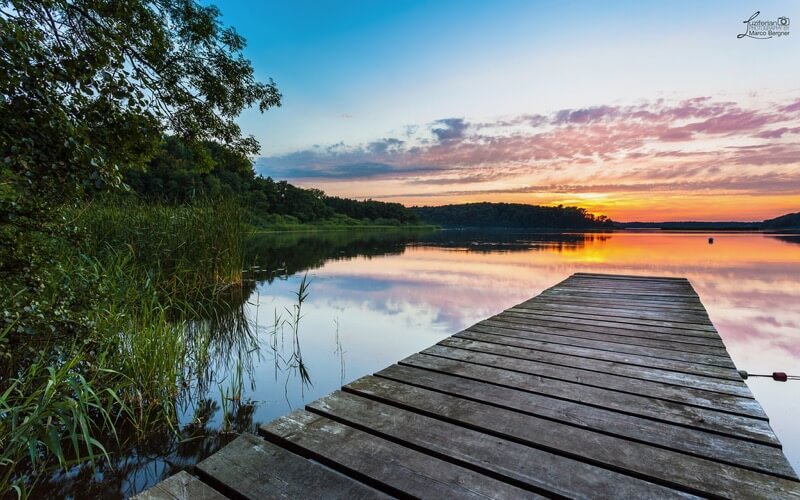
[148, 275]
[185, 249]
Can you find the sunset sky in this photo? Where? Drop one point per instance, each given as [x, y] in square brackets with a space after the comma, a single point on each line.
[640, 111]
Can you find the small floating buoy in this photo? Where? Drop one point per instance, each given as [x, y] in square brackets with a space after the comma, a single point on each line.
[711, 241]
[780, 376]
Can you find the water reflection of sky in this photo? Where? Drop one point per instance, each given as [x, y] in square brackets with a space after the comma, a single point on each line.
[388, 307]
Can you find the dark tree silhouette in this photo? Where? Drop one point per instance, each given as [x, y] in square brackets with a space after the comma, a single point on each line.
[512, 215]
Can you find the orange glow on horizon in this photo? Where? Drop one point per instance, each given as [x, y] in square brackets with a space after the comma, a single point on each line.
[630, 207]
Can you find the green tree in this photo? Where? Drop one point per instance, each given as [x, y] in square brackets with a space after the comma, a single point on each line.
[88, 88]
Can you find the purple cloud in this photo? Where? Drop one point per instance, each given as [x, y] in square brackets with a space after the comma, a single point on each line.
[449, 129]
[696, 143]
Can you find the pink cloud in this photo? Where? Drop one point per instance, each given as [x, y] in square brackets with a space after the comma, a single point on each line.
[795, 106]
[694, 144]
[777, 133]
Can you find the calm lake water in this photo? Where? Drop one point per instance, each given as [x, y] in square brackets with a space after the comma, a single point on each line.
[375, 298]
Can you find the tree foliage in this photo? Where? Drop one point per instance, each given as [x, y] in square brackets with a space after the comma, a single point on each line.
[180, 172]
[512, 215]
[88, 87]
[371, 209]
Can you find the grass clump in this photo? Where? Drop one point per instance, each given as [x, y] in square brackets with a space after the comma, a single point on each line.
[182, 249]
[103, 333]
[51, 412]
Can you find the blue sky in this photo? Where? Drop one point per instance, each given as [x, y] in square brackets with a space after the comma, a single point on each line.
[353, 73]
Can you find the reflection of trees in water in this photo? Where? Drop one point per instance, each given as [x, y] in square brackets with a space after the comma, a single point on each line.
[276, 255]
[488, 241]
[788, 238]
[284, 254]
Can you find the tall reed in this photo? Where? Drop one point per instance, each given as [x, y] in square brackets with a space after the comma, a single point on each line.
[55, 413]
[148, 272]
[184, 250]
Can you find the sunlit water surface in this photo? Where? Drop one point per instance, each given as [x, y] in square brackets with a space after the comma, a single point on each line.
[376, 298]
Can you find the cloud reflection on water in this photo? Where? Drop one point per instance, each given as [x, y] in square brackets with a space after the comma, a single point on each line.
[391, 306]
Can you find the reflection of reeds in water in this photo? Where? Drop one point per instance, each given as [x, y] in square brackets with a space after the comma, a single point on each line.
[296, 358]
[220, 346]
[293, 363]
[228, 343]
[339, 352]
[231, 398]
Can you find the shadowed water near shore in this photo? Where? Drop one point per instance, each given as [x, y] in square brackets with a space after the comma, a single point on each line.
[375, 297]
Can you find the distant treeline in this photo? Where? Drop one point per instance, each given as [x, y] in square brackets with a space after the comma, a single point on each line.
[180, 173]
[788, 221]
[782, 223]
[512, 215]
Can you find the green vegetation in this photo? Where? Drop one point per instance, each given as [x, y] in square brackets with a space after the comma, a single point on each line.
[512, 215]
[87, 90]
[109, 333]
[179, 174]
[194, 248]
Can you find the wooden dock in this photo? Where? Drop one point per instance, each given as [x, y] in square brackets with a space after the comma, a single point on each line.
[603, 386]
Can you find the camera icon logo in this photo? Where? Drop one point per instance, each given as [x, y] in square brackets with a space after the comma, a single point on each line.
[783, 21]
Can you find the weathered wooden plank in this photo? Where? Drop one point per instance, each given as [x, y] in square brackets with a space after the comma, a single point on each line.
[714, 356]
[642, 313]
[681, 288]
[667, 291]
[627, 282]
[587, 320]
[399, 469]
[649, 285]
[254, 468]
[605, 303]
[759, 457]
[669, 381]
[527, 321]
[621, 286]
[686, 293]
[623, 295]
[641, 277]
[563, 298]
[599, 351]
[547, 372]
[514, 462]
[668, 295]
[180, 486]
[677, 289]
[655, 280]
[756, 430]
[635, 323]
[692, 474]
